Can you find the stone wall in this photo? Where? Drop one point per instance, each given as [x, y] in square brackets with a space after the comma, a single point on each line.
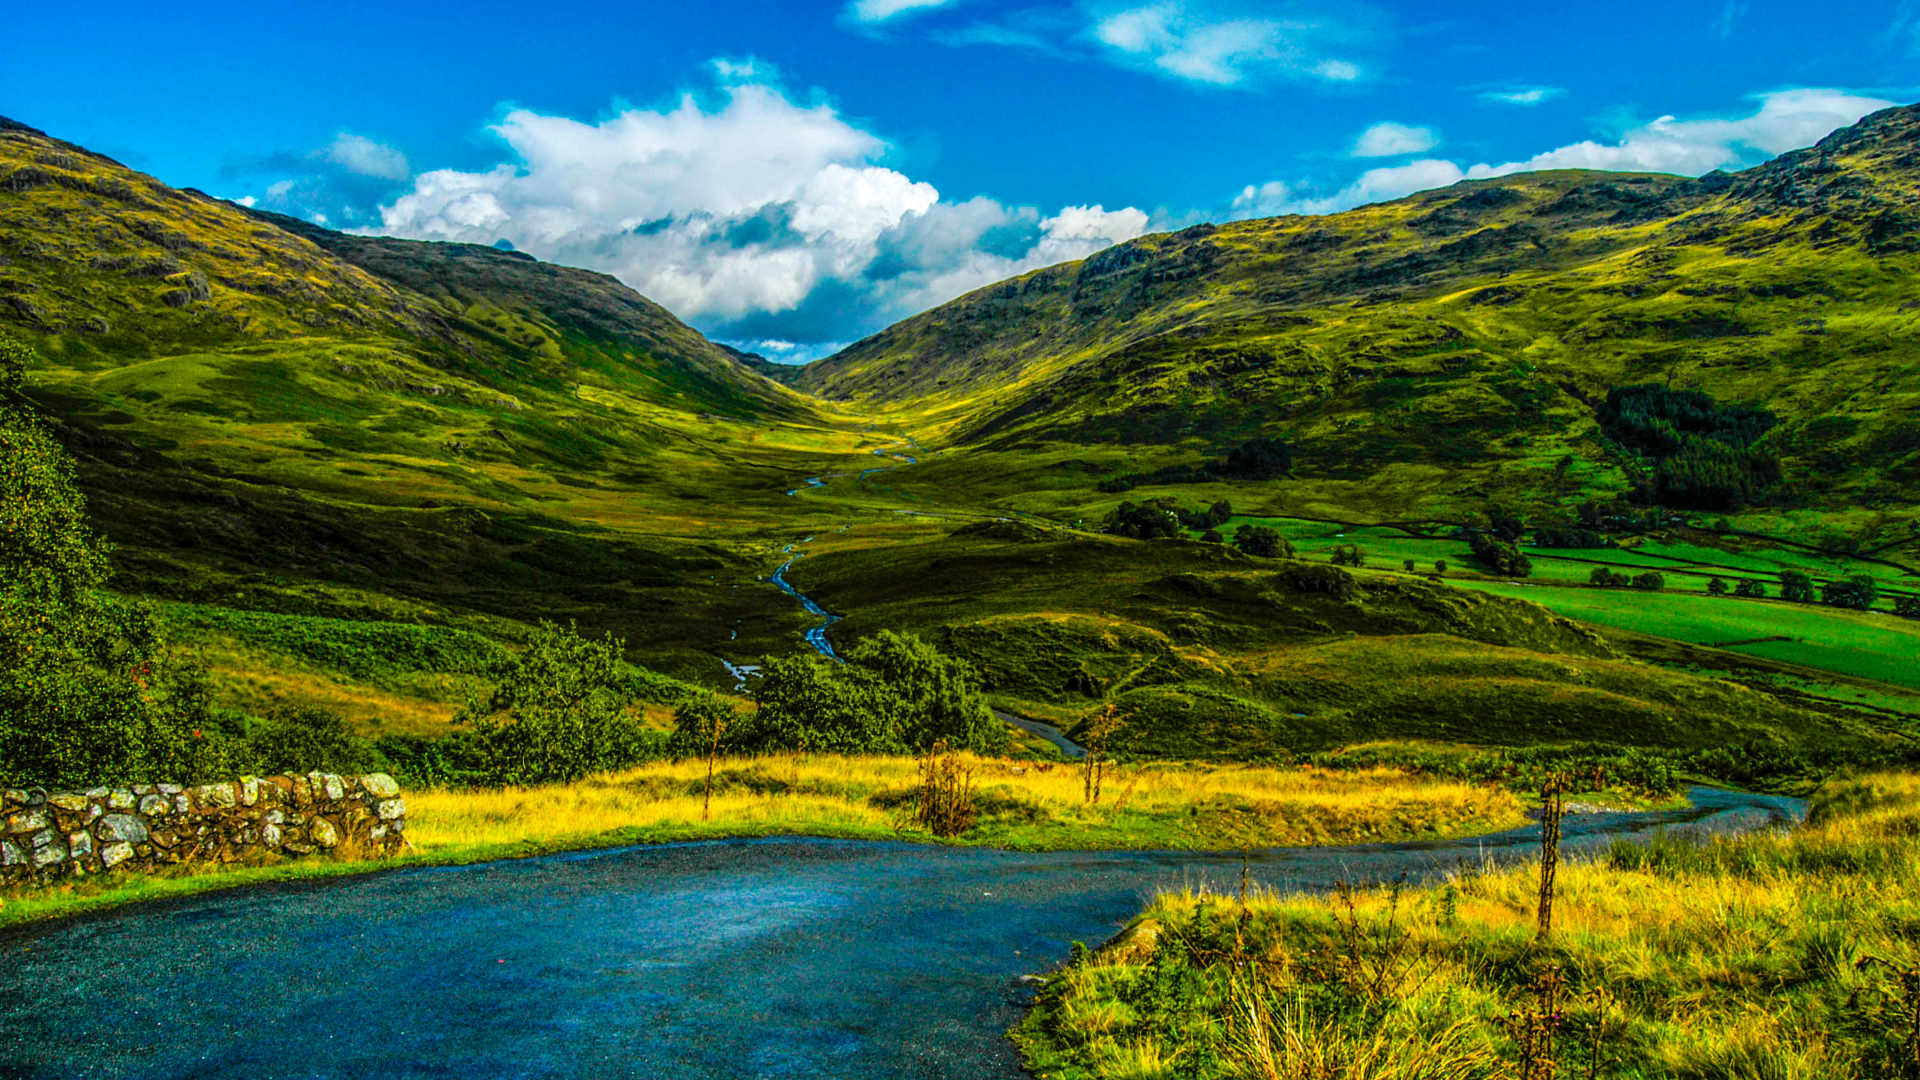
[55, 834]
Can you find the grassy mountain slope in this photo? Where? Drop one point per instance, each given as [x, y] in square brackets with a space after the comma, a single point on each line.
[1433, 355]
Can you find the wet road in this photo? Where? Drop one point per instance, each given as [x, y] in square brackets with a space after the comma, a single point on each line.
[754, 958]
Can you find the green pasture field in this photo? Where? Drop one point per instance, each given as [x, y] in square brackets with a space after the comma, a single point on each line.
[1867, 645]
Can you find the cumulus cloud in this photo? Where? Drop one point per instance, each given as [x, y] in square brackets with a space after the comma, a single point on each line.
[363, 157]
[869, 12]
[1785, 120]
[1394, 140]
[757, 218]
[1523, 96]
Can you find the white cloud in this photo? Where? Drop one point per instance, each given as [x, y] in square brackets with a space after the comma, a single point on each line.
[1786, 120]
[245, 200]
[878, 11]
[1393, 140]
[364, 157]
[1729, 19]
[1218, 43]
[756, 218]
[1522, 96]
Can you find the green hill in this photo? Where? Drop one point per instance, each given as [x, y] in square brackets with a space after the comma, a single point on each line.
[1438, 354]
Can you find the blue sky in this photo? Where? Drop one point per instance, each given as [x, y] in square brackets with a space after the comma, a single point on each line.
[791, 176]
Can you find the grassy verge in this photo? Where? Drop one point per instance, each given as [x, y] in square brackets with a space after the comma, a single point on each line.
[1034, 806]
[1775, 955]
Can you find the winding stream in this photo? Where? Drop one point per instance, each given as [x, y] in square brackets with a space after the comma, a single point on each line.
[797, 958]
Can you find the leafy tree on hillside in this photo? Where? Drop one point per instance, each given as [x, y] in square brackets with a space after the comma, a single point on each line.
[1212, 536]
[1704, 453]
[1651, 581]
[1439, 566]
[1608, 578]
[1262, 541]
[1858, 592]
[1717, 587]
[1751, 589]
[1795, 586]
[895, 694]
[1907, 607]
[1259, 459]
[88, 692]
[302, 738]
[559, 710]
[1502, 557]
[1157, 519]
[1349, 555]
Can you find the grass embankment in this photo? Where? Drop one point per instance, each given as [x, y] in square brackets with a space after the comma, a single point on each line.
[1021, 805]
[1781, 955]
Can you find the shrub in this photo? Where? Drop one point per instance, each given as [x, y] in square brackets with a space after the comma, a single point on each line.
[1608, 578]
[1212, 536]
[1499, 556]
[1262, 541]
[1650, 581]
[1750, 588]
[1349, 555]
[1907, 607]
[558, 711]
[895, 693]
[1717, 587]
[1858, 592]
[1318, 578]
[304, 738]
[1795, 586]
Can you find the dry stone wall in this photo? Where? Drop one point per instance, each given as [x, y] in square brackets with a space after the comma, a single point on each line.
[55, 834]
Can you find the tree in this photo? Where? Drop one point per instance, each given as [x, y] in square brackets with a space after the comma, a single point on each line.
[1750, 588]
[1262, 541]
[89, 693]
[1650, 581]
[1259, 459]
[1408, 565]
[895, 694]
[1502, 557]
[1795, 586]
[1858, 592]
[557, 711]
[699, 723]
[1145, 521]
[1439, 566]
[1349, 555]
[1717, 587]
[1212, 536]
[1608, 578]
[1907, 607]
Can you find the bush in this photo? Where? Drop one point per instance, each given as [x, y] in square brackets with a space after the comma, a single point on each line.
[1499, 556]
[558, 711]
[1608, 578]
[1907, 607]
[1795, 586]
[1650, 581]
[1749, 588]
[1212, 536]
[895, 694]
[1261, 541]
[1858, 592]
[1318, 578]
[1349, 555]
[1717, 587]
[304, 738]
[1145, 521]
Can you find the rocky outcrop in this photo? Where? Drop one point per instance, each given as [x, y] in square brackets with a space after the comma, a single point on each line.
[45, 835]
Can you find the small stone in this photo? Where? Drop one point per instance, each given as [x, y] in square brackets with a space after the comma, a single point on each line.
[79, 844]
[214, 797]
[94, 811]
[145, 789]
[181, 804]
[50, 855]
[98, 792]
[71, 803]
[249, 791]
[380, 785]
[14, 797]
[323, 832]
[171, 789]
[270, 836]
[30, 819]
[120, 800]
[393, 808]
[296, 847]
[328, 784]
[124, 827]
[276, 817]
[156, 805]
[11, 854]
[376, 832]
[113, 855]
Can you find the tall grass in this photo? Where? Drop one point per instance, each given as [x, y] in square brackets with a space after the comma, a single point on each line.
[1767, 957]
[1017, 804]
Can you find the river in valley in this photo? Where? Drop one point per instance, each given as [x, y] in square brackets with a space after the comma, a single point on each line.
[791, 958]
